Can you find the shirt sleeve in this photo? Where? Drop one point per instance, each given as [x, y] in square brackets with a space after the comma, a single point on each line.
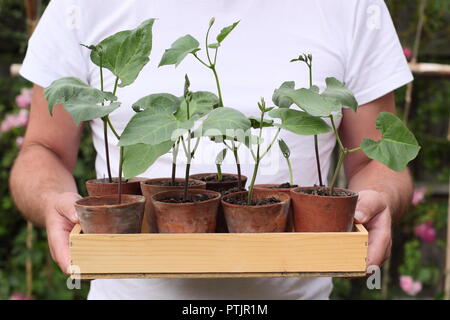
[375, 64]
[54, 49]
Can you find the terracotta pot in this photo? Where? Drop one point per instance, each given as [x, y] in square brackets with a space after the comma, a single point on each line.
[314, 213]
[151, 187]
[190, 217]
[102, 187]
[103, 214]
[273, 187]
[252, 219]
[220, 186]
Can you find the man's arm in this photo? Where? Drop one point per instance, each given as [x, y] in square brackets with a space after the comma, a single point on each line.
[41, 180]
[384, 194]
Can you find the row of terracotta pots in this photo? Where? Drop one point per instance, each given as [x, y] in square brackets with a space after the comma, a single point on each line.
[308, 212]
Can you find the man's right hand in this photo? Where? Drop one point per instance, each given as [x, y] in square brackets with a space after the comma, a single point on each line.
[60, 219]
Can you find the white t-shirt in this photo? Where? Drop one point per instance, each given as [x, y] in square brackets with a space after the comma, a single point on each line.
[352, 40]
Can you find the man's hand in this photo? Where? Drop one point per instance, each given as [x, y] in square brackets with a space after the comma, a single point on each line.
[60, 219]
[372, 210]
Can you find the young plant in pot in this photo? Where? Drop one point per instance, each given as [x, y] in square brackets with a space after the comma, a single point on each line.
[331, 209]
[188, 45]
[257, 210]
[111, 207]
[167, 121]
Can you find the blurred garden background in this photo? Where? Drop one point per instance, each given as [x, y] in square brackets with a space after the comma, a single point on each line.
[416, 269]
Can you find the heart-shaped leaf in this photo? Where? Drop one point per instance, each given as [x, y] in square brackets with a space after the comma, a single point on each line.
[299, 122]
[82, 101]
[139, 157]
[152, 128]
[202, 102]
[279, 98]
[337, 91]
[126, 52]
[312, 102]
[161, 103]
[226, 31]
[226, 122]
[396, 148]
[179, 50]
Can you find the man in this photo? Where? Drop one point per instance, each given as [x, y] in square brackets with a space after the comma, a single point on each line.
[352, 40]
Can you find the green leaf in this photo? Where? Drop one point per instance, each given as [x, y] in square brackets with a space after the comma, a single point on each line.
[126, 52]
[279, 98]
[225, 121]
[221, 156]
[202, 102]
[79, 99]
[179, 50]
[158, 103]
[226, 31]
[337, 91]
[284, 148]
[139, 157]
[256, 123]
[85, 112]
[153, 128]
[299, 122]
[312, 102]
[396, 148]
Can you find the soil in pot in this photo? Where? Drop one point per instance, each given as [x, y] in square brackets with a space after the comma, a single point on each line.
[151, 187]
[104, 214]
[286, 189]
[102, 187]
[229, 181]
[315, 209]
[267, 213]
[196, 215]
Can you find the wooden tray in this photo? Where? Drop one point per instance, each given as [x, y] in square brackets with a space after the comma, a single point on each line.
[218, 255]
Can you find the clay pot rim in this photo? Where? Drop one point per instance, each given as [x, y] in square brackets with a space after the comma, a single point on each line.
[147, 180]
[193, 176]
[264, 186]
[218, 196]
[298, 191]
[275, 195]
[130, 199]
[130, 180]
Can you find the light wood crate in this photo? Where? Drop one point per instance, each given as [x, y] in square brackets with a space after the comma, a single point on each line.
[218, 255]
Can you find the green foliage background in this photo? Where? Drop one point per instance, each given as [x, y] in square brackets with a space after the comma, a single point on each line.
[428, 120]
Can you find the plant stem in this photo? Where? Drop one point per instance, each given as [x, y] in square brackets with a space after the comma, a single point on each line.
[252, 183]
[258, 159]
[219, 172]
[316, 140]
[238, 164]
[219, 91]
[338, 138]
[316, 150]
[120, 173]
[291, 178]
[174, 160]
[337, 170]
[105, 135]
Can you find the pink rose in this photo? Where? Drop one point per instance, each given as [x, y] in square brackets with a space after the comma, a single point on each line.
[19, 296]
[14, 121]
[418, 196]
[408, 53]
[426, 232]
[409, 286]
[23, 100]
